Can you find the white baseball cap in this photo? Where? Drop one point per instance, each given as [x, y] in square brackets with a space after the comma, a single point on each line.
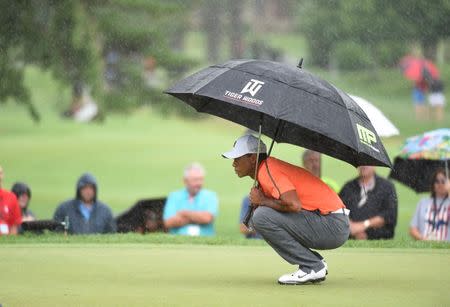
[244, 145]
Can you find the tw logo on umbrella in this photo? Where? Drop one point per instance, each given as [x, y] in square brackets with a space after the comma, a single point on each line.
[252, 87]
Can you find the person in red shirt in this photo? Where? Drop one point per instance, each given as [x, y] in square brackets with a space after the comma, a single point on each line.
[295, 211]
[10, 216]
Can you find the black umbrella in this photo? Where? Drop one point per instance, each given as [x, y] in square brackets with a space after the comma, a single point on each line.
[416, 173]
[144, 216]
[420, 157]
[289, 104]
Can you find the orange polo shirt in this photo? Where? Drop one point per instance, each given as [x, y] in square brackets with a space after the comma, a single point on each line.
[313, 193]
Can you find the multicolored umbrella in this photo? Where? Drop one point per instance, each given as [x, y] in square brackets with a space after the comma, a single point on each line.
[420, 157]
[432, 145]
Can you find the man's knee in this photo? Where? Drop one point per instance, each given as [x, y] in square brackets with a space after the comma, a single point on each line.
[261, 217]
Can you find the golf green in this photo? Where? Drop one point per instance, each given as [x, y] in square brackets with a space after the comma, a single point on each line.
[200, 275]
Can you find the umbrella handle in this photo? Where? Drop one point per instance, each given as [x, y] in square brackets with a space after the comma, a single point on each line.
[250, 210]
[248, 217]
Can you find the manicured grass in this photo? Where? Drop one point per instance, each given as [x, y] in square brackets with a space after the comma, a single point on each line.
[225, 239]
[185, 275]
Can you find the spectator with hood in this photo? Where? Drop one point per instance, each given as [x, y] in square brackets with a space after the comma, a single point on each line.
[86, 214]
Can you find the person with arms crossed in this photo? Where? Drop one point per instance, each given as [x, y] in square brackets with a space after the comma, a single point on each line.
[295, 211]
[192, 210]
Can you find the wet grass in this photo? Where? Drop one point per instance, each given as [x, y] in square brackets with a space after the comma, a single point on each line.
[162, 238]
[188, 275]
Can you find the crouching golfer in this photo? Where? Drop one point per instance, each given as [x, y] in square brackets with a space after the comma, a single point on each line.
[296, 211]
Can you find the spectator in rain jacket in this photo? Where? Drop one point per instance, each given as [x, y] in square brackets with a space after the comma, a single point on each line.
[86, 214]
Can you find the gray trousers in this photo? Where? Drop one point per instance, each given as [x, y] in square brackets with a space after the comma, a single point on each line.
[292, 235]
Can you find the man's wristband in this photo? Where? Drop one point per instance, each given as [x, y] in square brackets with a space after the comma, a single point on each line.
[366, 224]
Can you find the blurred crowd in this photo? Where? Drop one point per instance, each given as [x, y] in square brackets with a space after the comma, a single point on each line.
[192, 210]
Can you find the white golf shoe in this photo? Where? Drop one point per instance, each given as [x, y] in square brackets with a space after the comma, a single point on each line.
[299, 277]
[326, 266]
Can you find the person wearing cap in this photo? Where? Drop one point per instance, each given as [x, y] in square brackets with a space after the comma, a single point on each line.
[10, 217]
[86, 214]
[295, 211]
[191, 211]
[23, 194]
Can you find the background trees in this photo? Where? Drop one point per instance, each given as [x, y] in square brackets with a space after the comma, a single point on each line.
[124, 50]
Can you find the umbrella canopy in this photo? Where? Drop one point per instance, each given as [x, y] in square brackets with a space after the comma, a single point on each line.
[416, 69]
[144, 216]
[290, 104]
[420, 157]
[383, 126]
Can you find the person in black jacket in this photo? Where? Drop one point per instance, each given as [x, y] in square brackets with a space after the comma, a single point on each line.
[372, 201]
[86, 214]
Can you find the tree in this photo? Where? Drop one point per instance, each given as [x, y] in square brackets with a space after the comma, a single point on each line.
[380, 29]
[71, 38]
[212, 23]
[318, 21]
[53, 35]
[427, 22]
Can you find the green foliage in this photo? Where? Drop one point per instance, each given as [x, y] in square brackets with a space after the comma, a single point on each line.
[70, 38]
[425, 21]
[135, 31]
[384, 28]
[388, 53]
[56, 35]
[350, 56]
[318, 20]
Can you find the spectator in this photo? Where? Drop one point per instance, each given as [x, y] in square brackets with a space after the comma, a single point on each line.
[191, 210]
[10, 217]
[436, 99]
[431, 219]
[87, 215]
[250, 233]
[418, 97]
[23, 194]
[82, 108]
[312, 161]
[372, 201]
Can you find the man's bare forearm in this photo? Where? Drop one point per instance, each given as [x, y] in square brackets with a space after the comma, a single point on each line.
[198, 217]
[279, 205]
[176, 221]
[376, 221]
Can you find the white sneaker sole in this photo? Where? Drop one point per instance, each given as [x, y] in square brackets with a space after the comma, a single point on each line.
[293, 283]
